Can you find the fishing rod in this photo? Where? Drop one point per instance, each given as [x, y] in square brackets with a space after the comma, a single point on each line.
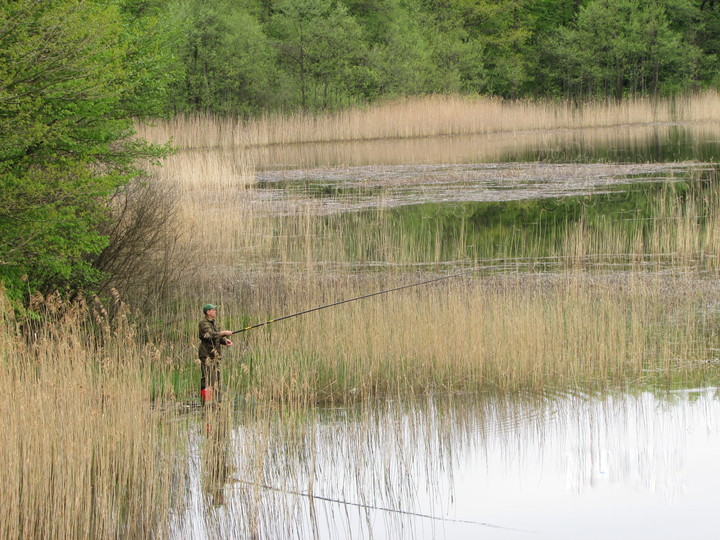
[434, 280]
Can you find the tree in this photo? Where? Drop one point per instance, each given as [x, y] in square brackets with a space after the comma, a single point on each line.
[623, 46]
[73, 75]
[319, 43]
[503, 30]
[417, 47]
[229, 65]
[707, 38]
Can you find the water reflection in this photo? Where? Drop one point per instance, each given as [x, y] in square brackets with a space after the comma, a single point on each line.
[526, 227]
[216, 468]
[566, 465]
[627, 144]
[331, 191]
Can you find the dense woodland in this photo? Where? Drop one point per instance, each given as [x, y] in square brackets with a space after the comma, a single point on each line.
[76, 74]
[250, 56]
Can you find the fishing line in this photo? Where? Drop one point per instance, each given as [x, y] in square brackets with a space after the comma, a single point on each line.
[434, 280]
[381, 508]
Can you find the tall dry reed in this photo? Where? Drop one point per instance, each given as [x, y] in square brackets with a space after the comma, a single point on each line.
[84, 454]
[517, 332]
[263, 254]
[87, 456]
[426, 117]
[584, 324]
[623, 305]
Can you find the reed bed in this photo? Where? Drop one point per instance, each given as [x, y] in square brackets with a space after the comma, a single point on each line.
[428, 116]
[599, 317]
[84, 455]
[508, 334]
[618, 306]
[246, 236]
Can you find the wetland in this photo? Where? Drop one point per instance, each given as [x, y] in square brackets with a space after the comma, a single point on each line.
[545, 363]
[625, 455]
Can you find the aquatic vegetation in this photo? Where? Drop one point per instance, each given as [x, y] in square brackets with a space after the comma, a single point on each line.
[609, 282]
[84, 453]
[429, 116]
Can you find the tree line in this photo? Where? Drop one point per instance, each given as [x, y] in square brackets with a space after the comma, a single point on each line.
[251, 56]
[75, 206]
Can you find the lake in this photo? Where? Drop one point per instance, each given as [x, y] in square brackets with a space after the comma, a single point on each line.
[564, 465]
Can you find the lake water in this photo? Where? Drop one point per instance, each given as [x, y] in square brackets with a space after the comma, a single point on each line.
[565, 465]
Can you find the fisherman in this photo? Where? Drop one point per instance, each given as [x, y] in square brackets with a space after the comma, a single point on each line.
[212, 338]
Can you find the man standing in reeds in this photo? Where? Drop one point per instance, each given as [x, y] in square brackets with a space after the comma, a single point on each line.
[212, 338]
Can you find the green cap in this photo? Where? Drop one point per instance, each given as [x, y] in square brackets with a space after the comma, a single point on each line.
[208, 307]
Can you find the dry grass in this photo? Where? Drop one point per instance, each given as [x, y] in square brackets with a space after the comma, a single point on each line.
[84, 455]
[426, 117]
[577, 328]
[511, 333]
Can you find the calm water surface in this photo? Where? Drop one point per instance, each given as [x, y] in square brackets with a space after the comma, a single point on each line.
[641, 465]
[334, 178]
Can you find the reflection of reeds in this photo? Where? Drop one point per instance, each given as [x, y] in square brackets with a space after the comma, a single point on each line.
[401, 468]
[86, 455]
[82, 441]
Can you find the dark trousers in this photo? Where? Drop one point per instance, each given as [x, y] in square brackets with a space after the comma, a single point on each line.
[210, 374]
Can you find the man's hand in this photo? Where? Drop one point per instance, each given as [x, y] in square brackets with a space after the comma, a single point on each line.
[224, 333]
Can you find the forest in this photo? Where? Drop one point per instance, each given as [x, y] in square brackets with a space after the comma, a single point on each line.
[77, 75]
[252, 56]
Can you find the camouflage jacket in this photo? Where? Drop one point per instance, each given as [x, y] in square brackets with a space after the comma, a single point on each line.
[210, 339]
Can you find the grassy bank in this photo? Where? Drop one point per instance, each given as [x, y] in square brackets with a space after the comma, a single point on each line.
[609, 305]
[622, 304]
[616, 305]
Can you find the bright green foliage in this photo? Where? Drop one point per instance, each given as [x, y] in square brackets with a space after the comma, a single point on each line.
[401, 34]
[707, 38]
[438, 54]
[70, 75]
[253, 56]
[504, 29]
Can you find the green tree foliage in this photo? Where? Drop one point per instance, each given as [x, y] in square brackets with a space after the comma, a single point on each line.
[318, 42]
[404, 33]
[624, 46]
[439, 54]
[228, 63]
[253, 56]
[73, 74]
[503, 27]
[707, 38]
